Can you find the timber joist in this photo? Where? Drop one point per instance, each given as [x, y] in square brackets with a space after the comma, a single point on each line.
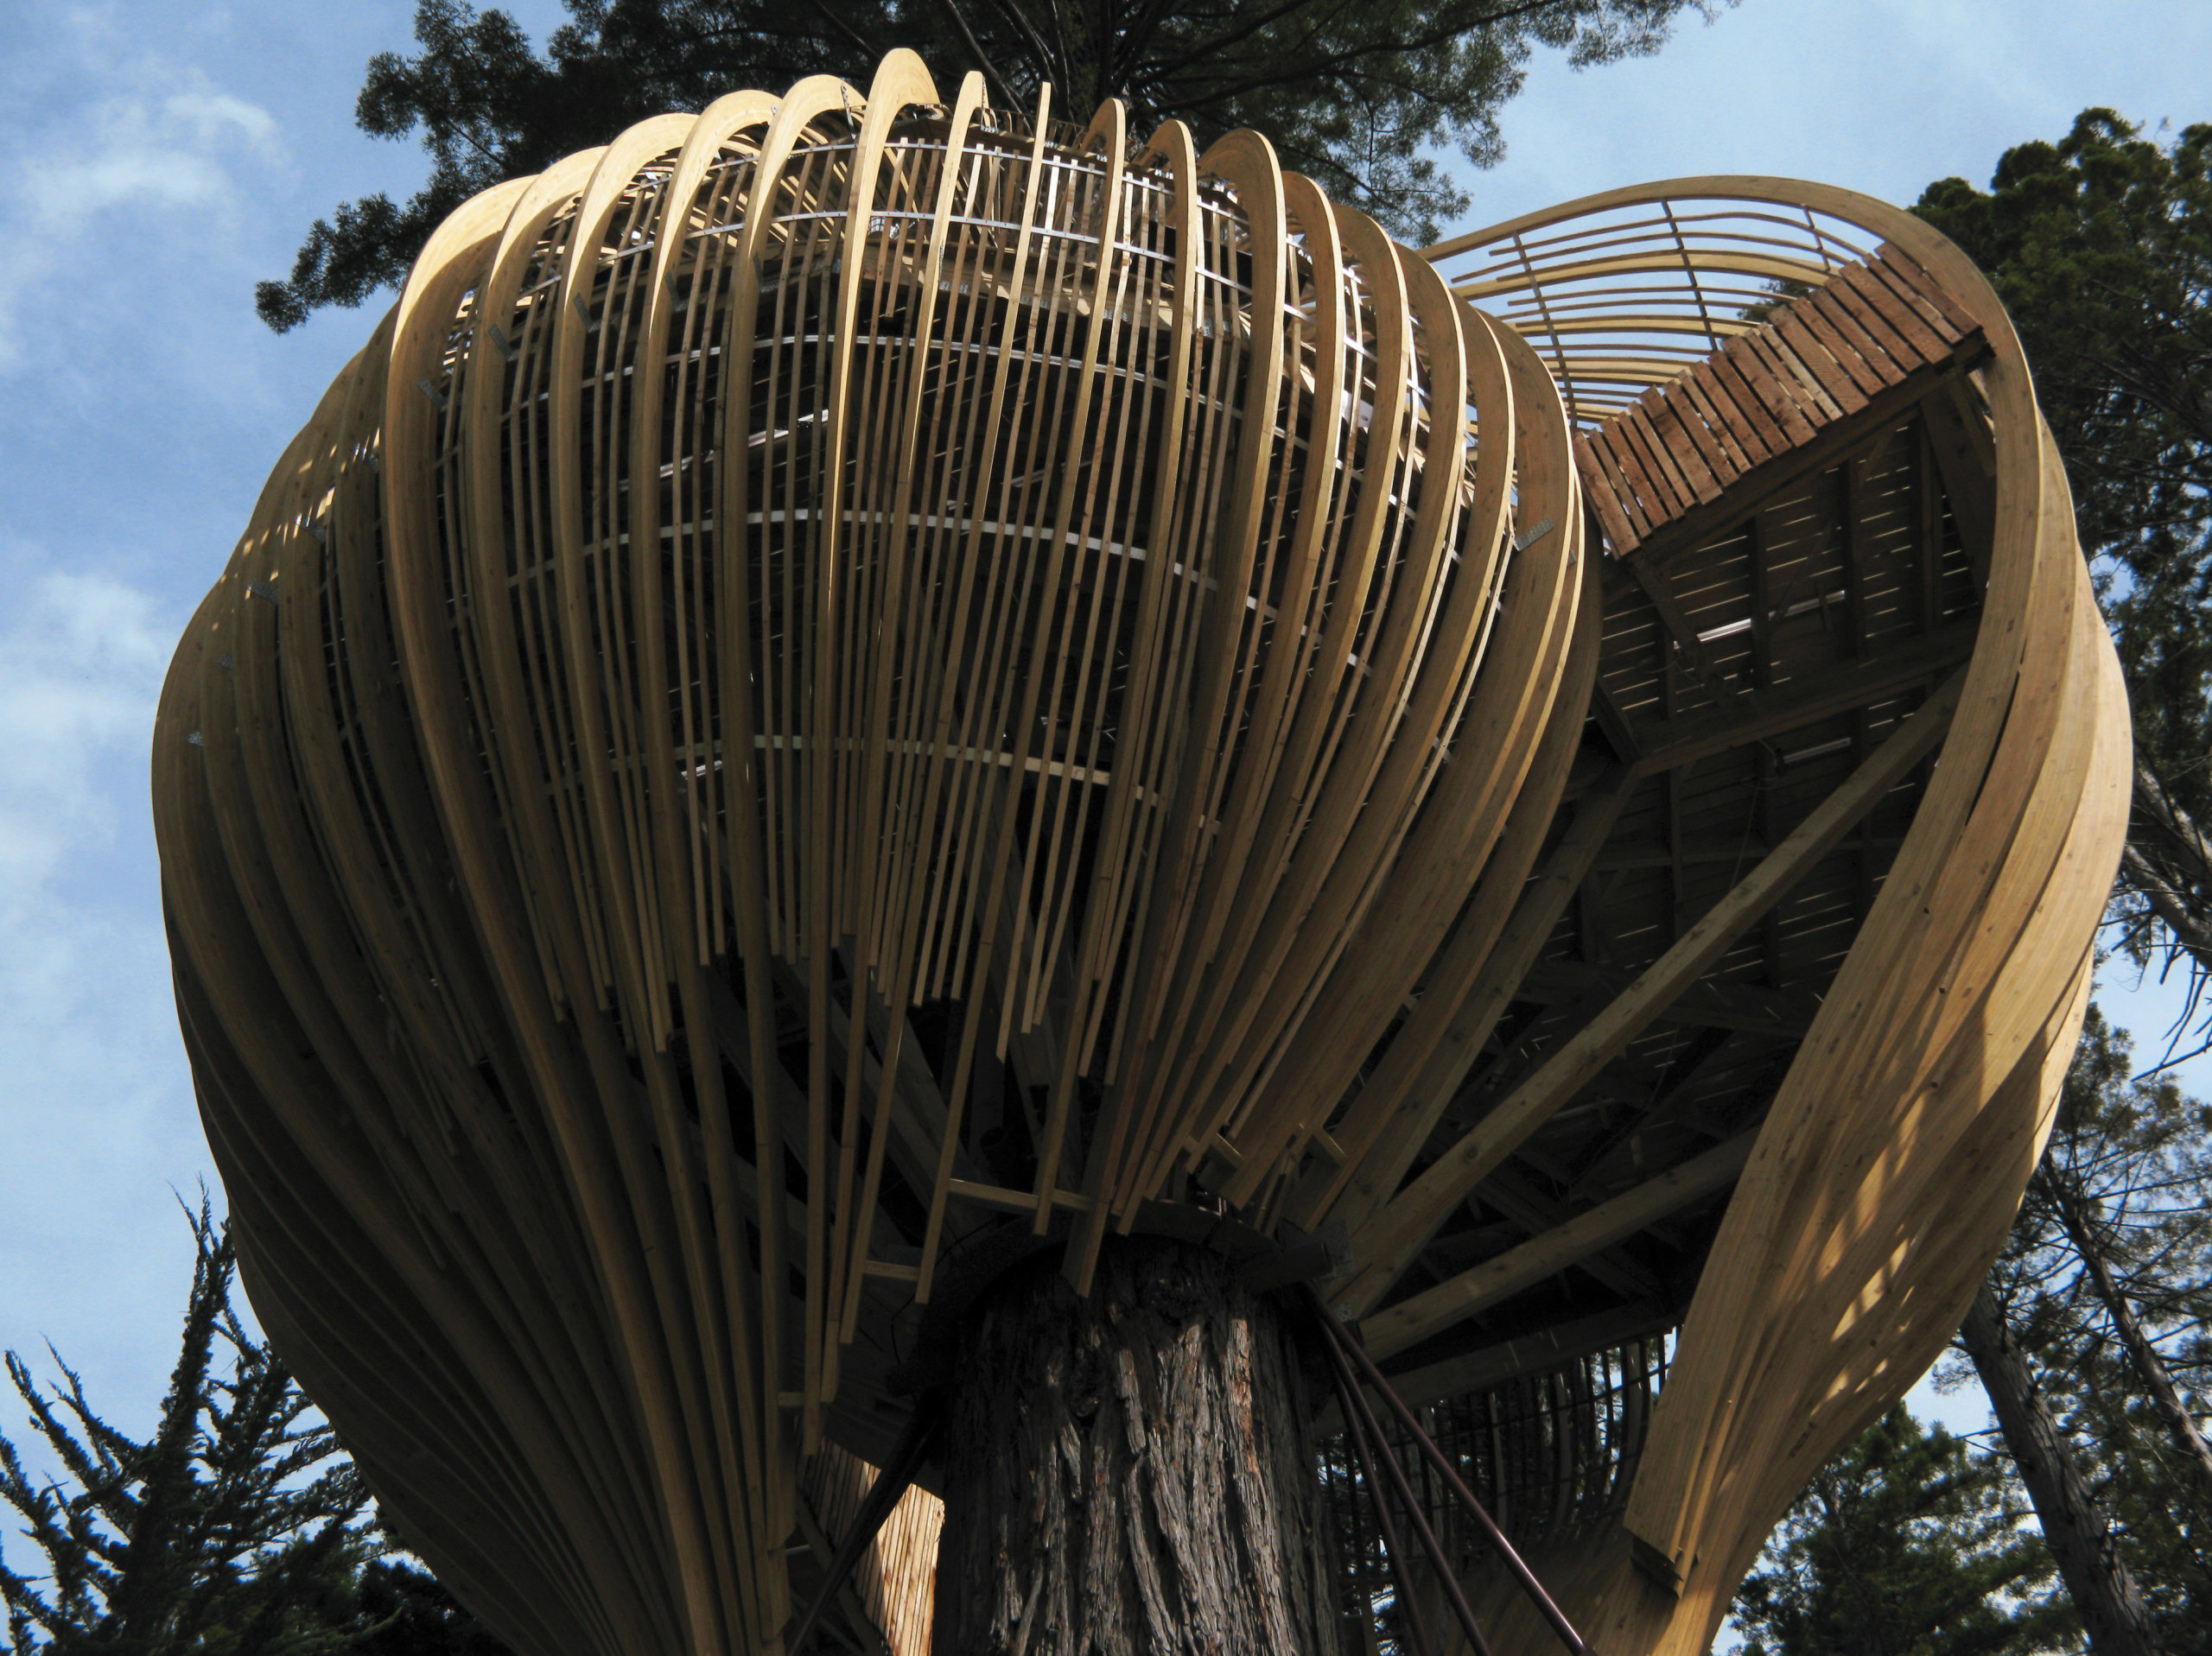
[857, 686]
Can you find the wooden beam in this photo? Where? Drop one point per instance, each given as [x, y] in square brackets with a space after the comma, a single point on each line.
[1387, 1243]
[1490, 1365]
[1513, 1195]
[1703, 849]
[1672, 1109]
[1958, 439]
[1670, 742]
[1614, 724]
[1681, 633]
[859, 1631]
[1411, 1321]
[1707, 1004]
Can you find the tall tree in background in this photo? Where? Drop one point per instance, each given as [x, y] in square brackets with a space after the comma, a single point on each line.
[1354, 93]
[2089, 1335]
[238, 1528]
[1905, 1545]
[2098, 1580]
[2122, 1208]
[2100, 246]
[2091, 1341]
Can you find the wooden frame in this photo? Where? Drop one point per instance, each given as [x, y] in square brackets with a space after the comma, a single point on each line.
[856, 685]
[1884, 1173]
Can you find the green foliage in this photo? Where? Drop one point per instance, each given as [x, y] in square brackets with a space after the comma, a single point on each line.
[2130, 1161]
[2100, 247]
[1907, 1544]
[238, 1528]
[404, 1612]
[1352, 92]
[212, 1535]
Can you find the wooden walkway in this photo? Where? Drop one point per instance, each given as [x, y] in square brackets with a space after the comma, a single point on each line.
[1868, 343]
[1878, 507]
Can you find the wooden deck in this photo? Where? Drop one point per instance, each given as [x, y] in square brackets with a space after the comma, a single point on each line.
[1768, 618]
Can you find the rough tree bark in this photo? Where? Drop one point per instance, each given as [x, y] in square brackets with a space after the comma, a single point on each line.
[1128, 1474]
[2097, 1576]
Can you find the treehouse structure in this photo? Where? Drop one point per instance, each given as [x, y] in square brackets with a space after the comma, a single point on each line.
[860, 690]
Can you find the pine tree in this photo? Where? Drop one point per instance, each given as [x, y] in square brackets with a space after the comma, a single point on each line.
[238, 1528]
[2100, 247]
[2081, 1540]
[403, 1611]
[1356, 97]
[1907, 1544]
[2127, 1186]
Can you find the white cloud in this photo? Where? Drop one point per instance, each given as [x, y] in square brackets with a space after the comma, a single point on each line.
[95, 1119]
[81, 657]
[109, 174]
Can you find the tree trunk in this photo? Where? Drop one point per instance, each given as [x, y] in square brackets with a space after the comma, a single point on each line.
[1128, 1474]
[2142, 1356]
[2097, 1577]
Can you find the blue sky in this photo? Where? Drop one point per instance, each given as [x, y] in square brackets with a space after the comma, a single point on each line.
[156, 161]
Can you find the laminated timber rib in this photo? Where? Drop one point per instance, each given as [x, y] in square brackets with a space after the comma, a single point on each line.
[856, 687]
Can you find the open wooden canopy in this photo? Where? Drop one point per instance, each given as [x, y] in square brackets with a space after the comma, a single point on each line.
[855, 686]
